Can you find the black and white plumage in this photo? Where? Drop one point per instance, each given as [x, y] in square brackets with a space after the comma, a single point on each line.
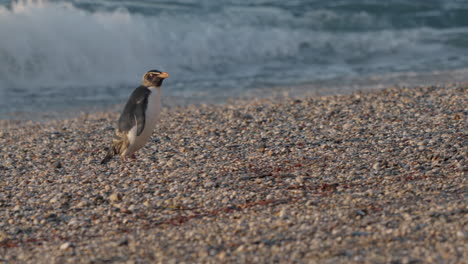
[139, 117]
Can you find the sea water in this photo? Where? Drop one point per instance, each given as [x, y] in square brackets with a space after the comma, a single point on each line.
[57, 55]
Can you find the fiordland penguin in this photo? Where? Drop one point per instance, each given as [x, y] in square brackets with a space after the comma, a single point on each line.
[139, 117]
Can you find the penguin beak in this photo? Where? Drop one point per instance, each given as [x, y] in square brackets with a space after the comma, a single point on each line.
[163, 75]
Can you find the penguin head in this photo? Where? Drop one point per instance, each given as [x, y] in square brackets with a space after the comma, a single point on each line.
[154, 78]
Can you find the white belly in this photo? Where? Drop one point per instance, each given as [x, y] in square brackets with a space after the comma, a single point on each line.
[153, 111]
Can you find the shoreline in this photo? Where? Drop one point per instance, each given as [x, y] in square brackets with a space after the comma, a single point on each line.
[371, 176]
[328, 87]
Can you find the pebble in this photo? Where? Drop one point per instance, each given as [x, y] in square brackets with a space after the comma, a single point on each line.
[115, 197]
[3, 236]
[246, 181]
[83, 203]
[65, 246]
[57, 164]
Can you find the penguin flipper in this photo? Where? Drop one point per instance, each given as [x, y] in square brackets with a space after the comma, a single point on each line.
[134, 111]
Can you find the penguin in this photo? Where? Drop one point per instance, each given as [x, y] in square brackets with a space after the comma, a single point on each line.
[138, 118]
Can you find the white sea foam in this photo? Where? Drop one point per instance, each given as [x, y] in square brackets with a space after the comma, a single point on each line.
[48, 47]
[56, 44]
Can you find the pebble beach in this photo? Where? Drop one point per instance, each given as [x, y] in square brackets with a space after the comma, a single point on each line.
[368, 177]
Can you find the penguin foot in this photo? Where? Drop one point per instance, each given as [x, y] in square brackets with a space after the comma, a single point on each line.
[132, 157]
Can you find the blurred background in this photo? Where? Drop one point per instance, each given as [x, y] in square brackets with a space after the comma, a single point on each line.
[62, 55]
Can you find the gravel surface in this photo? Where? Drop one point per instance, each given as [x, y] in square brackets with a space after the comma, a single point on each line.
[374, 177]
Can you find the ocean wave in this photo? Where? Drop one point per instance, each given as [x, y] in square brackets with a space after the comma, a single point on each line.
[57, 45]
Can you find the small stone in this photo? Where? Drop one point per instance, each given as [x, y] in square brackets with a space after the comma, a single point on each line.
[82, 203]
[57, 164]
[222, 255]
[299, 179]
[3, 236]
[240, 248]
[66, 246]
[73, 222]
[209, 184]
[123, 242]
[358, 233]
[283, 213]
[115, 197]
[376, 166]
